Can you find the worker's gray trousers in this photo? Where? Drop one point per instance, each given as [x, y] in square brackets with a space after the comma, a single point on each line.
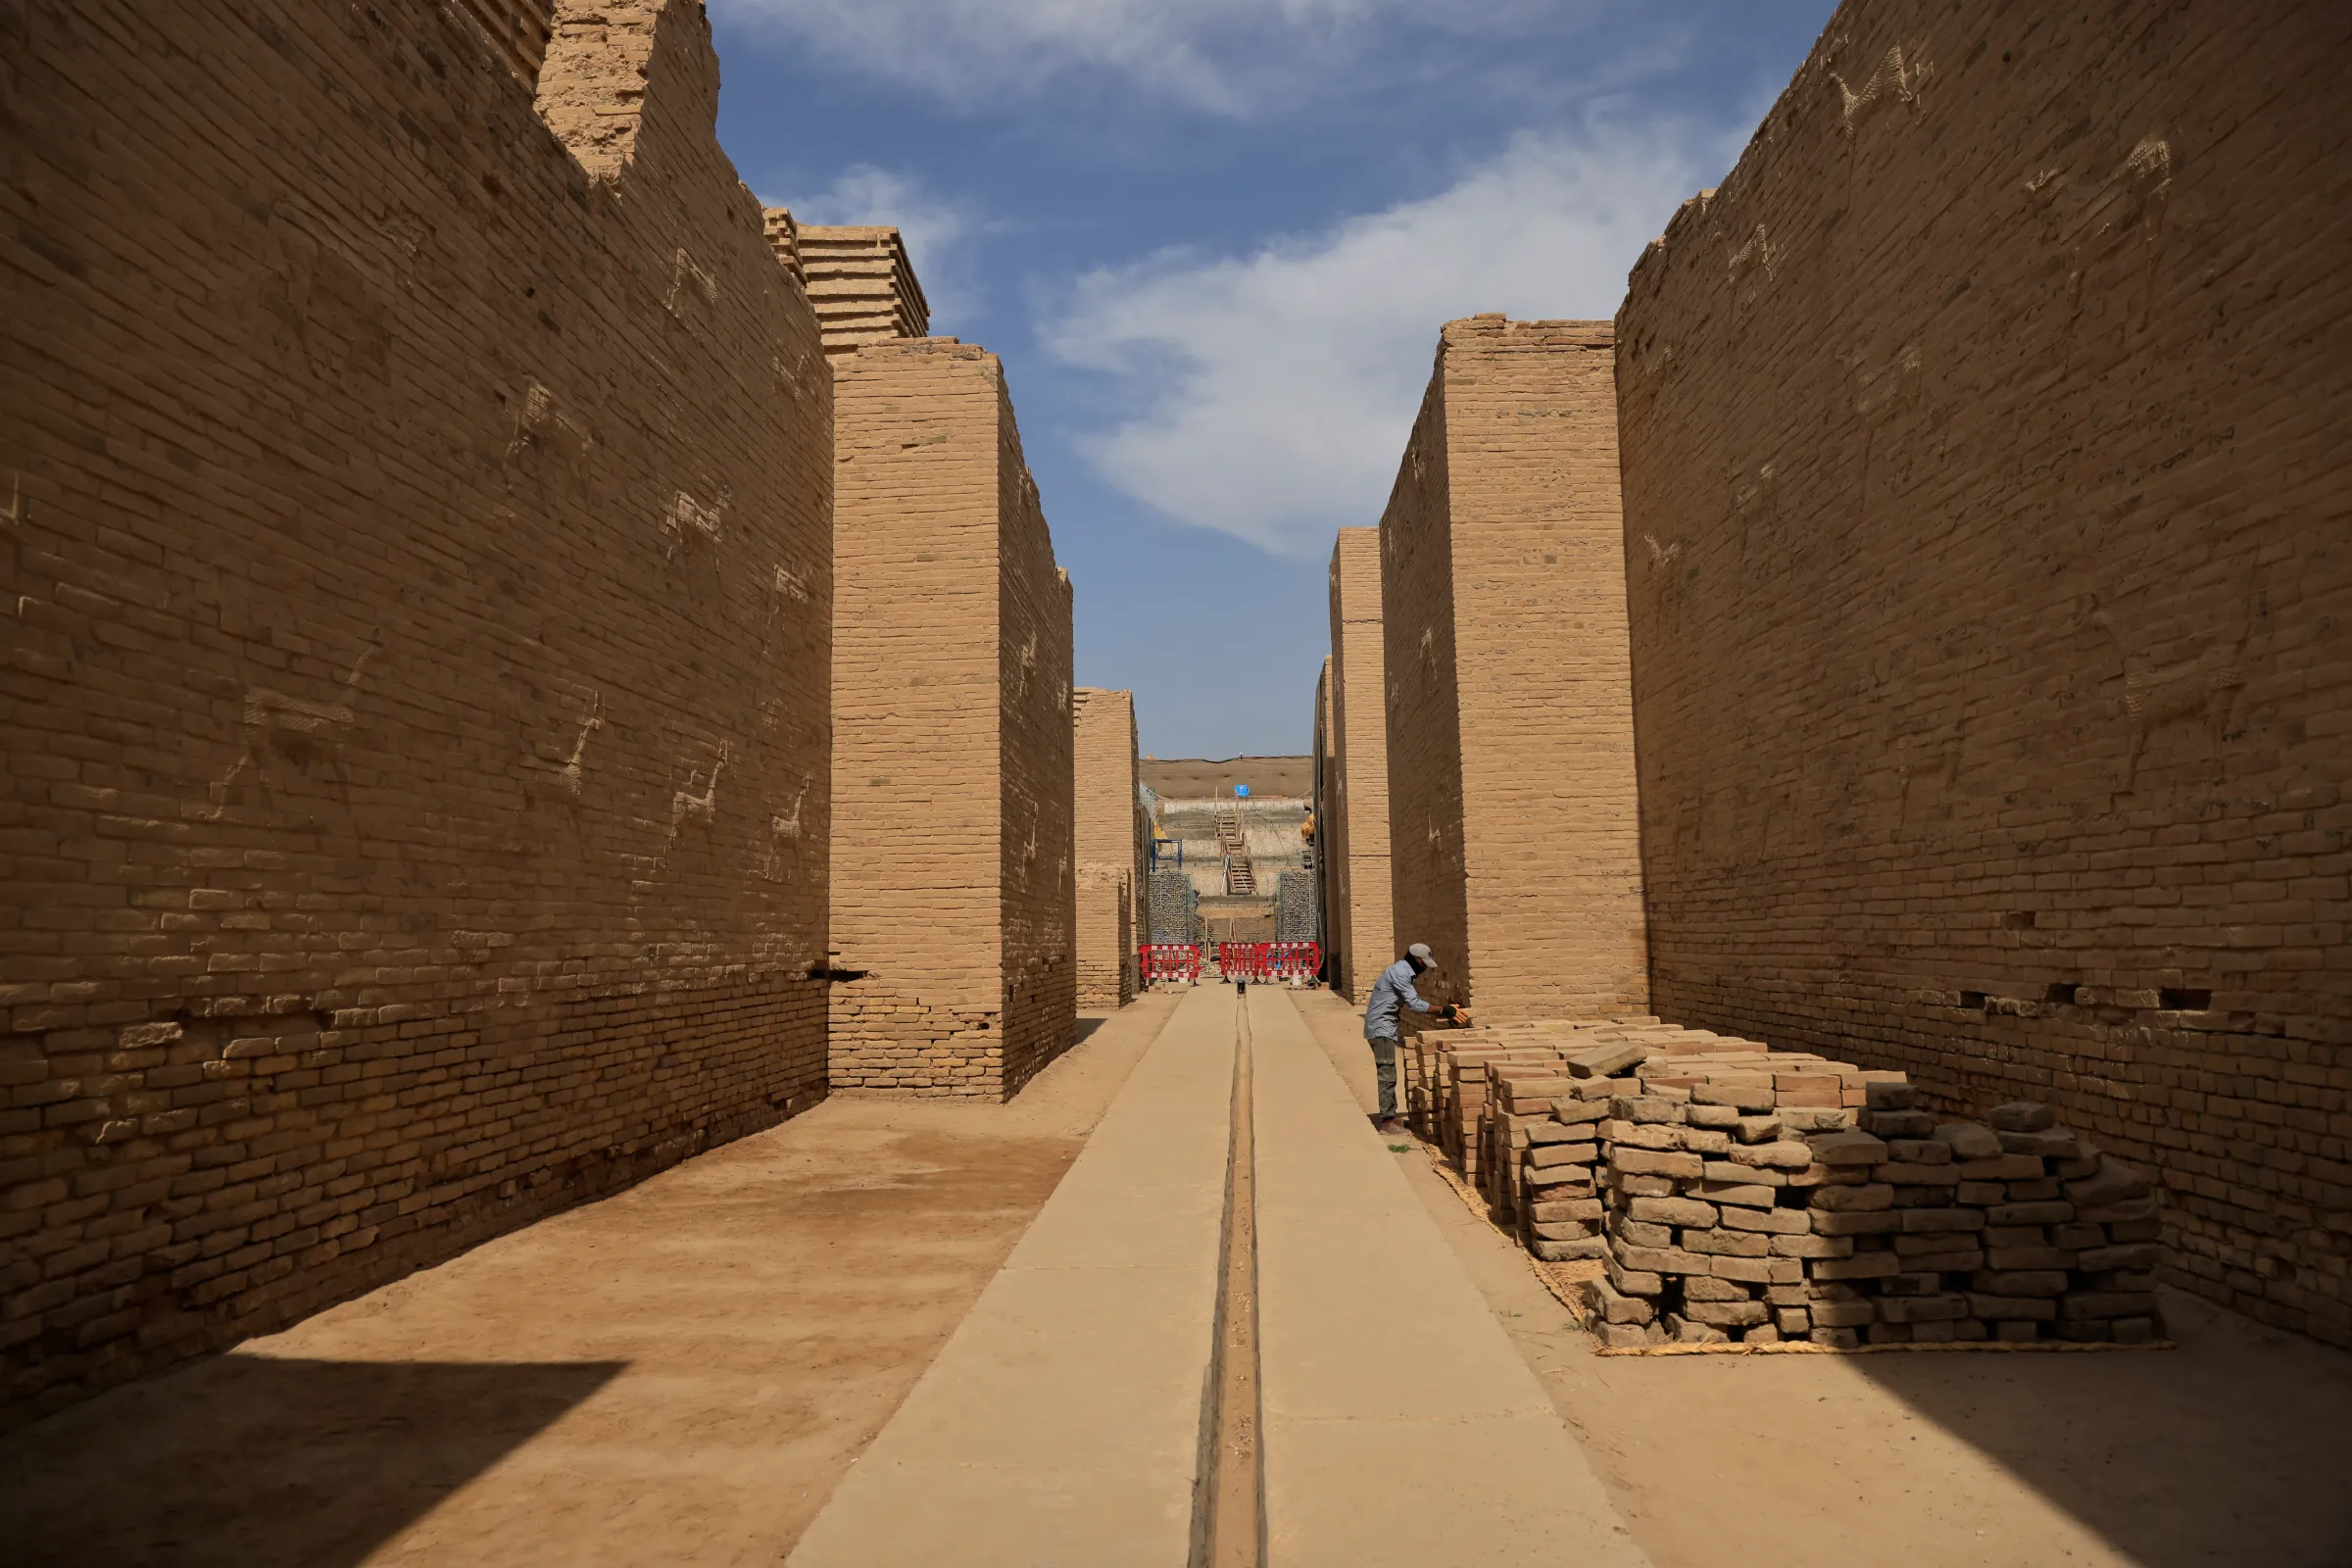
[1383, 1060]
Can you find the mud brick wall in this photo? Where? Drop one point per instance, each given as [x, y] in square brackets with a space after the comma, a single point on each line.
[1991, 587]
[952, 878]
[1036, 889]
[1321, 797]
[1356, 833]
[516, 30]
[1515, 832]
[1109, 844]
[418, 550]
[863, 284]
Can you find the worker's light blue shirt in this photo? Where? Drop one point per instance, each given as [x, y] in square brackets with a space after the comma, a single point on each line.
[1392, 993]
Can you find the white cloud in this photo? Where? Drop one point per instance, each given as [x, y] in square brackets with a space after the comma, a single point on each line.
[1276, 390]
[938, 231]
[1228, 56]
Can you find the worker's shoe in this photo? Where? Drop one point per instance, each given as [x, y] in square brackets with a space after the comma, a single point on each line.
[1391, 1126]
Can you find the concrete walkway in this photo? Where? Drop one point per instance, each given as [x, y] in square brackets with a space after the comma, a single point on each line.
[1401, 1425]
[1062, 1421]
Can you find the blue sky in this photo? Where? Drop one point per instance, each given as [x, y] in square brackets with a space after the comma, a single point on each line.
[1213, 241]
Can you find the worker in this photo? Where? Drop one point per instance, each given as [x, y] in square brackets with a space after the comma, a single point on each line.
[1391, 994]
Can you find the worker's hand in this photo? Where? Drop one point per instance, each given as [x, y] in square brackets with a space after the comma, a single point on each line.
[1461, 1017]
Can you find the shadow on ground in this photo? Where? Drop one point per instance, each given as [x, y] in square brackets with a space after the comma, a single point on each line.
[255, 1461]
[2231, 1450]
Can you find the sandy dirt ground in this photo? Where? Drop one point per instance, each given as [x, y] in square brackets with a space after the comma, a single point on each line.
[678, 1374]
[2231, 1449]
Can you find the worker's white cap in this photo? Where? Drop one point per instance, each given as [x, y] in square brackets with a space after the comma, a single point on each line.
[1420, 950]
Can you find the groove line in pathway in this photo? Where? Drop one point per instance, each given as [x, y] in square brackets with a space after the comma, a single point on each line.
[1235, 1492]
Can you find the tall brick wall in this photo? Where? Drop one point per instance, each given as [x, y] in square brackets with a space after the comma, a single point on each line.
[1109, 844]
[953, 880]
[1037, 893]
[418, 560]
[1322, 800]
[1991, 587]
[1362, 924]
[1516, 833]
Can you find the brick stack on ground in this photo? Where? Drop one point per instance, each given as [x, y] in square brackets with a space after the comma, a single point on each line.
[953, 963]
[1716, 1190]
[1111, 846]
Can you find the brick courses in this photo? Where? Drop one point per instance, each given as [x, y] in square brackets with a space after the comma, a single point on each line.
[418, 552]
[863, 284]
[1514, 830]
[1111, 846]
[1323, 797]
[1355, 835]
[953, 880]
[1990, 576]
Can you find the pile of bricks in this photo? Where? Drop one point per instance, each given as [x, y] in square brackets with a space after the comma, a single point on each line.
[1721, 1190]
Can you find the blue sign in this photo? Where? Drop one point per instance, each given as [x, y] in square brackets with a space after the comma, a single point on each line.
[1241, 790]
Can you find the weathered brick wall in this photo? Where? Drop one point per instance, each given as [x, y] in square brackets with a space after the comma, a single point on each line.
[516, 30]
[953, 887]
[1321, 800]
[863, 284]
[1109, 846]
[1036, 895]
[1510, 730]
[1357, 832]
[418, 556]
[1992, 593]
[1422, 733]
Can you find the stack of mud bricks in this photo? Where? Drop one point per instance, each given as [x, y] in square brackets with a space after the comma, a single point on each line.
[953, 872]
[1109, 846]
[1496, 1112]
[419, 559]
[1476, 1091]
[1771, 1195]
[1513, 822]
[1988, 582]
[1363, 935]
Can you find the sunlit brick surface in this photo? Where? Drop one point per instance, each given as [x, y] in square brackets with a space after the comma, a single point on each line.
[952, 874]
[1110, 847]
[1512, 818]
[1356, 836]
